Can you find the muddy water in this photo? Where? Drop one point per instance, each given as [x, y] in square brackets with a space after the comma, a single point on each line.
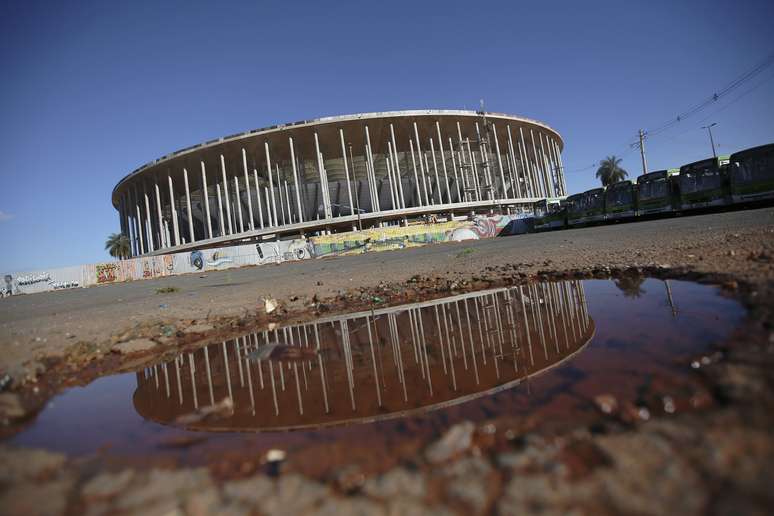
[371, 384]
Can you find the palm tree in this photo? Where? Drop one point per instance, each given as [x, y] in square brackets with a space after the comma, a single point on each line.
[631, 286]
[117, 245]
[610, 172]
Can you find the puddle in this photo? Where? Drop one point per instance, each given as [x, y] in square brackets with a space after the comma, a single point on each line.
[537, 351]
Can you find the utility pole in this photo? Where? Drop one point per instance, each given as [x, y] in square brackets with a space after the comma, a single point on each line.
[712, 142]
[642, 152]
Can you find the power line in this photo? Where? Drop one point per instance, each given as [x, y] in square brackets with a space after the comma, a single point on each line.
[733, 85]
[703, 104]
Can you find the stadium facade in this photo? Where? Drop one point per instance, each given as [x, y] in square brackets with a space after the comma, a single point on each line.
[338, 174]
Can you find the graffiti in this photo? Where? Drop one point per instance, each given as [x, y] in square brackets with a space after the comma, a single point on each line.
[8, 288]
[106, 272]
[196, 260]
[169, 262]
[31, 279]
[58, 285]
[219, 259]
[298, 250]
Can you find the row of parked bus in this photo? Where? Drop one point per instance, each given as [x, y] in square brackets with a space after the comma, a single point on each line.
[741, 178]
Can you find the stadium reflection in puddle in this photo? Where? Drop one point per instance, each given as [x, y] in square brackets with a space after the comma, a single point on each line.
[370, 366]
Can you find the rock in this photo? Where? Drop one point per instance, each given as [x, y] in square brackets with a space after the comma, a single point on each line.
[203, 503]
[162, 490]
[251, 491]
[411, 507]
[398, 482]
[294, 494]
[270, 305]
[134, 346]
[28, 464]
[350, 507]
[470, 482]
[647, 476]
[455, 441]
[349, 479]
[606, 403]
[532, 494]
[106, 485]
[36, 498]
[11, 406]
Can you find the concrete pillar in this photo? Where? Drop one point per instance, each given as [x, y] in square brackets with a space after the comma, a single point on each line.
[393, 197]
[530, 168]
[225, 194]
[127, 216]
[443, 160]
[555, 164]
[346, 171]
[220, 211]
[287, 202]
[148, 222]
[513, 160]
[300, 216]
[206, 201]
[251, 223]
[238, 204]
[396, 164]
[540, 171]
[372, 177]
[162, 241]
[140, 223]
[416, 178]
[326, 193]
[280, 196]
[273, 212]
[421, 164]
[258, 197]
[456, 174]
[435, 172]
[500, 162]
[474, 171]
[547, 167]
[563, 178]
[191, 234]
[427, 167]
[173, 210]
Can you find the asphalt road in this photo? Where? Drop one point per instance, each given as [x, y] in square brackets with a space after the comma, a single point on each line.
[97, 312]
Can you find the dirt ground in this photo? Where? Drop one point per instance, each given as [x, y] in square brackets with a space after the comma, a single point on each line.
[717, 460]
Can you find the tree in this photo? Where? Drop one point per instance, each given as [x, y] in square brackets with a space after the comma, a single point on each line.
[118, 246]
[610, 172]
[631, 286]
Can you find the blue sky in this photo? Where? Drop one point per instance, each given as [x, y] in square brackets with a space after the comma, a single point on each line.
[91, 91]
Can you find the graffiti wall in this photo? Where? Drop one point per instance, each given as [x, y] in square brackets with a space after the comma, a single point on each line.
[356, 242]
[400, 237]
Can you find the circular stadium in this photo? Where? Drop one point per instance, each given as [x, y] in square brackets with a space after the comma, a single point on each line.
[336, 174]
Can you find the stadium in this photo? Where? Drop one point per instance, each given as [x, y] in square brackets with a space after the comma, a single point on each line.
[339, 174]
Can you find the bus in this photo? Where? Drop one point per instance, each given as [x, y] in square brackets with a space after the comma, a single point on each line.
[586, 208]
[621, 200]
[550, 214]
[751, 174]
[658, 192]
[704, 183]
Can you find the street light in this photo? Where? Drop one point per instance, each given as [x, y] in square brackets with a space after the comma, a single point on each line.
[712, 142]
